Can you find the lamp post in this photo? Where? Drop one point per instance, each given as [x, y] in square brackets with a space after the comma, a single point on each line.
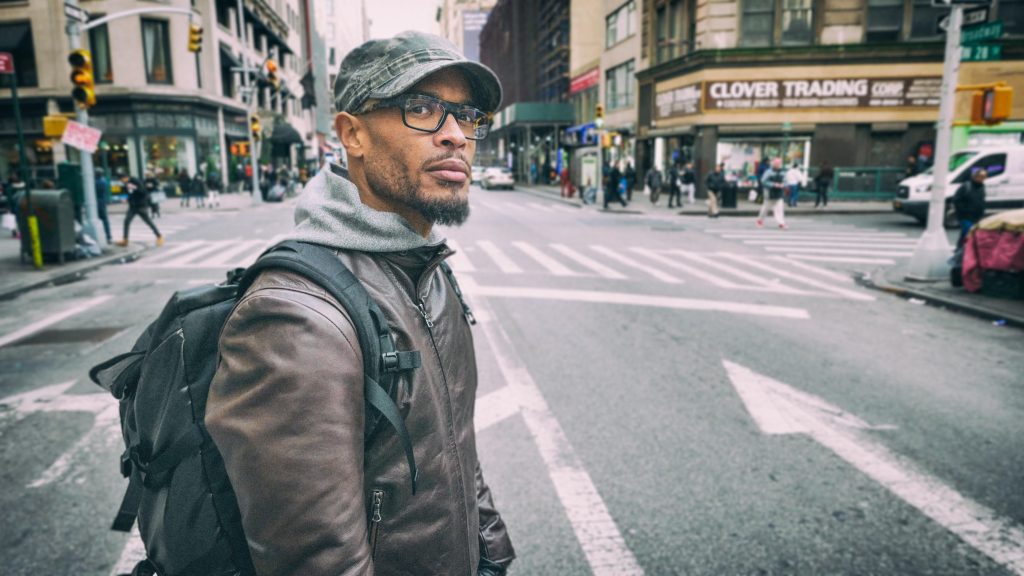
[599, 124]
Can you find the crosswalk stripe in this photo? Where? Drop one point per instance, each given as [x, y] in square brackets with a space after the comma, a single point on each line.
[841, 259]
[815, 269]
[459, 261]
[227, 256]
[565, 209]
[500, 258]
[853, 295]
[552, 265]
[780, 234]
[768, 284]
[540, 207]
[167, 253]
[871, 243]
[194, 255]
[607, 252]
[717, 281]
[864, 252]
[588, 262]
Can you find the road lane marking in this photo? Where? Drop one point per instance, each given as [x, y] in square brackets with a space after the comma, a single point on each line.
[599, 537]
[765, 234]
[588, 262]
[52, 319]
[852, 252]
[552, 265]
[540, 207]
[819, 243]
[495, 407]
[500, 258]
[851, 294]
[134, 552]
[459, 261]
[843, 259]
[768, 284]
[658, 274]
[716, 280]
[815, 269]
[167, 253]
[226, 257]
[194, 255]
[781, 409]
[637, 300]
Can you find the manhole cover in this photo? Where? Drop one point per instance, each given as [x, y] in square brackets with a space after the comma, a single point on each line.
[69, 336]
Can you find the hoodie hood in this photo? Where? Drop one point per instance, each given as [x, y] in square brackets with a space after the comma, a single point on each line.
[330, 213]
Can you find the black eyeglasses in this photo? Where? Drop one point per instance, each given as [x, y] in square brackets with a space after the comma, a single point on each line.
[427, 114]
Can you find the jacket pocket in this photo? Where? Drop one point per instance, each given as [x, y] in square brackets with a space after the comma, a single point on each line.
[376, 505]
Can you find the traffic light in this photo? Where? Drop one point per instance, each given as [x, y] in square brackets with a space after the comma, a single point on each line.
[991, 105]
[599, 111]
[254, 126]
[81, 76]
[272, 74]
[195, 37]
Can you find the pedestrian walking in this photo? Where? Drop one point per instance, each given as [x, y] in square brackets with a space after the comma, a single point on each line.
[566, 182]
[689, 183]
[763, 166]
[675, 185]
[152, 186]
[102, 199]
[286, 407]
[198, 189]
[652, 182]
[822, 182]
[611, 188]
[969, 203]
[716, 184]
[795, 180]
[185, 187]
[630, 176]
[774, 183]
[138, 205]
[213, 185]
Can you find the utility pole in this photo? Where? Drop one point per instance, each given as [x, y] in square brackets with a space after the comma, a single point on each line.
[250, 94]
[85, 158]
[930, 259]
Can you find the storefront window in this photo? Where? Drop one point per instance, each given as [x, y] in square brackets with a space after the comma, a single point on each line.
[99, 44]
[164, 156]
[114, 155]
[157, 52]
[743, 156]
[758, 23]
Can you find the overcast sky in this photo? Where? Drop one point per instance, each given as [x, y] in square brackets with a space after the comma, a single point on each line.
[389, 17]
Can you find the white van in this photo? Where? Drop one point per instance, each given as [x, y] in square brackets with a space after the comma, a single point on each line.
[1004, 187]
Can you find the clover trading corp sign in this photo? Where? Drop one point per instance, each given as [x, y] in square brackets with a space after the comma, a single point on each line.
[823, 93]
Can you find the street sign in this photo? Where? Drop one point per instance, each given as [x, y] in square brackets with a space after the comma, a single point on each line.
[981, 53]
[81, 136]
[971, 17]
[76, 13]
[6, 63]
[976, 34]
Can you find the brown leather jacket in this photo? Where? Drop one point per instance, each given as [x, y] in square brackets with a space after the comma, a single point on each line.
[286, 411]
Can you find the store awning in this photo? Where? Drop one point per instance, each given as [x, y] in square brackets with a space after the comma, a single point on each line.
[285, 134]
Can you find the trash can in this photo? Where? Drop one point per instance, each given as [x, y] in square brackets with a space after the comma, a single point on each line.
[55, 212]
[729, 195]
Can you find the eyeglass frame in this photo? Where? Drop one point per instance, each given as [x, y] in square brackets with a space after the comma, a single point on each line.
[446, 107]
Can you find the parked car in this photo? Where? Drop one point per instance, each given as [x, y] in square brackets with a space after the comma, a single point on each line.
[477, 174]
[497, 178]
[1004, 187]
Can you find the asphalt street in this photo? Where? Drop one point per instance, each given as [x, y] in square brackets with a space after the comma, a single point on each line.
[659, 395]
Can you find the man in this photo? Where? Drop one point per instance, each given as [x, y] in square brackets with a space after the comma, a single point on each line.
[286, 407]
[566, 182]
[102, 199]
[138, 205]
[611, 186]
[795, 180]
[969, 203]
[822, 182]
[716, 184]
[675, 185]
[689, 180]
[152, 186]
[653, 183]
[630, 175]
[773, 182]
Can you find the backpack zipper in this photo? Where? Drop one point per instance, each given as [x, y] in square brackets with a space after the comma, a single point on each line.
[426, 317]
[375, 519]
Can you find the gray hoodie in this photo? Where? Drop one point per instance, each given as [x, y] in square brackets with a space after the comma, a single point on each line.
[330, 213]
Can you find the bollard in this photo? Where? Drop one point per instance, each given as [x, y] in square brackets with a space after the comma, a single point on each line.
[37, 247]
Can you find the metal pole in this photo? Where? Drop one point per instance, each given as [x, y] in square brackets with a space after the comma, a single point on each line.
[930, 259]
[251, 95]
[88, 176]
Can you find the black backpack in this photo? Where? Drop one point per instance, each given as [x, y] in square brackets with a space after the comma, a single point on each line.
[178, 486]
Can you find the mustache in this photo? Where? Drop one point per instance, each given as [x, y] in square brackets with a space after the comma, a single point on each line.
[448, 156]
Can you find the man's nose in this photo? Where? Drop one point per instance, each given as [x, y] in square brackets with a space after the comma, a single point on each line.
[450, 134]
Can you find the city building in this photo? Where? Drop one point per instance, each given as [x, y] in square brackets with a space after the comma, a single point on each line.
[586, 45]
[854, 83]
[345, 26]
[161, 107]
[461, 21]
[526, 43]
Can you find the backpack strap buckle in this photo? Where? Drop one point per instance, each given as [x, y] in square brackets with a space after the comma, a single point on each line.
[393, 362]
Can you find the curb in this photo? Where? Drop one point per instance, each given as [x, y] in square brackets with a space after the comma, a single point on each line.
[59, 277]
[871, 280]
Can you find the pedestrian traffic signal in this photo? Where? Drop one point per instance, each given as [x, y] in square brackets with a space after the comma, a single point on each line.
[599, 111]
[991, 105]
[81, 76]
[195, 37]
[272, 78]
[254, 126]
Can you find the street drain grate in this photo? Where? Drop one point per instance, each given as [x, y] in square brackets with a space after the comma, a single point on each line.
[70, 336]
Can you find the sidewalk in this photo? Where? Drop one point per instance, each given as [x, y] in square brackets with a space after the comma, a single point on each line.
[944, 295]
[17, 277]
[642, 205]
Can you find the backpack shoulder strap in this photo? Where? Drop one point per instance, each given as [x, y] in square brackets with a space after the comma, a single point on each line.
[381, 361]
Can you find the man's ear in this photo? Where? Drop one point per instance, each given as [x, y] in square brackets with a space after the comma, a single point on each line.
[352, 133]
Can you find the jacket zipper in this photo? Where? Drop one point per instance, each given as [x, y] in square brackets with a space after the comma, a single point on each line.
[444, 377]
[375, 518]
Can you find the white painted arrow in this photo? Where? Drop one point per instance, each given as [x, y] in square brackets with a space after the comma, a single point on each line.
[781, 409]
[76, 461]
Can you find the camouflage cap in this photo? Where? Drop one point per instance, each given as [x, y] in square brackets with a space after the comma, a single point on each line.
[387, 68]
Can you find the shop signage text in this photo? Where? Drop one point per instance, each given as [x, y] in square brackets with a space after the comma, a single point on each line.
[81, 136]
[682, 101]
[584, 81]
[6, 63]
[822, 93]
[975, 34]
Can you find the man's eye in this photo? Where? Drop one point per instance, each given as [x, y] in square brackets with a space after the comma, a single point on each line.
[469, 117]
[419, 108]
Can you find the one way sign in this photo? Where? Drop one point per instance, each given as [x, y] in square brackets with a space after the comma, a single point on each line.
[971, 18]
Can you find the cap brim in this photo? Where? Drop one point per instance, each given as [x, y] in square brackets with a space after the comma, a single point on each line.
[483, 82]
